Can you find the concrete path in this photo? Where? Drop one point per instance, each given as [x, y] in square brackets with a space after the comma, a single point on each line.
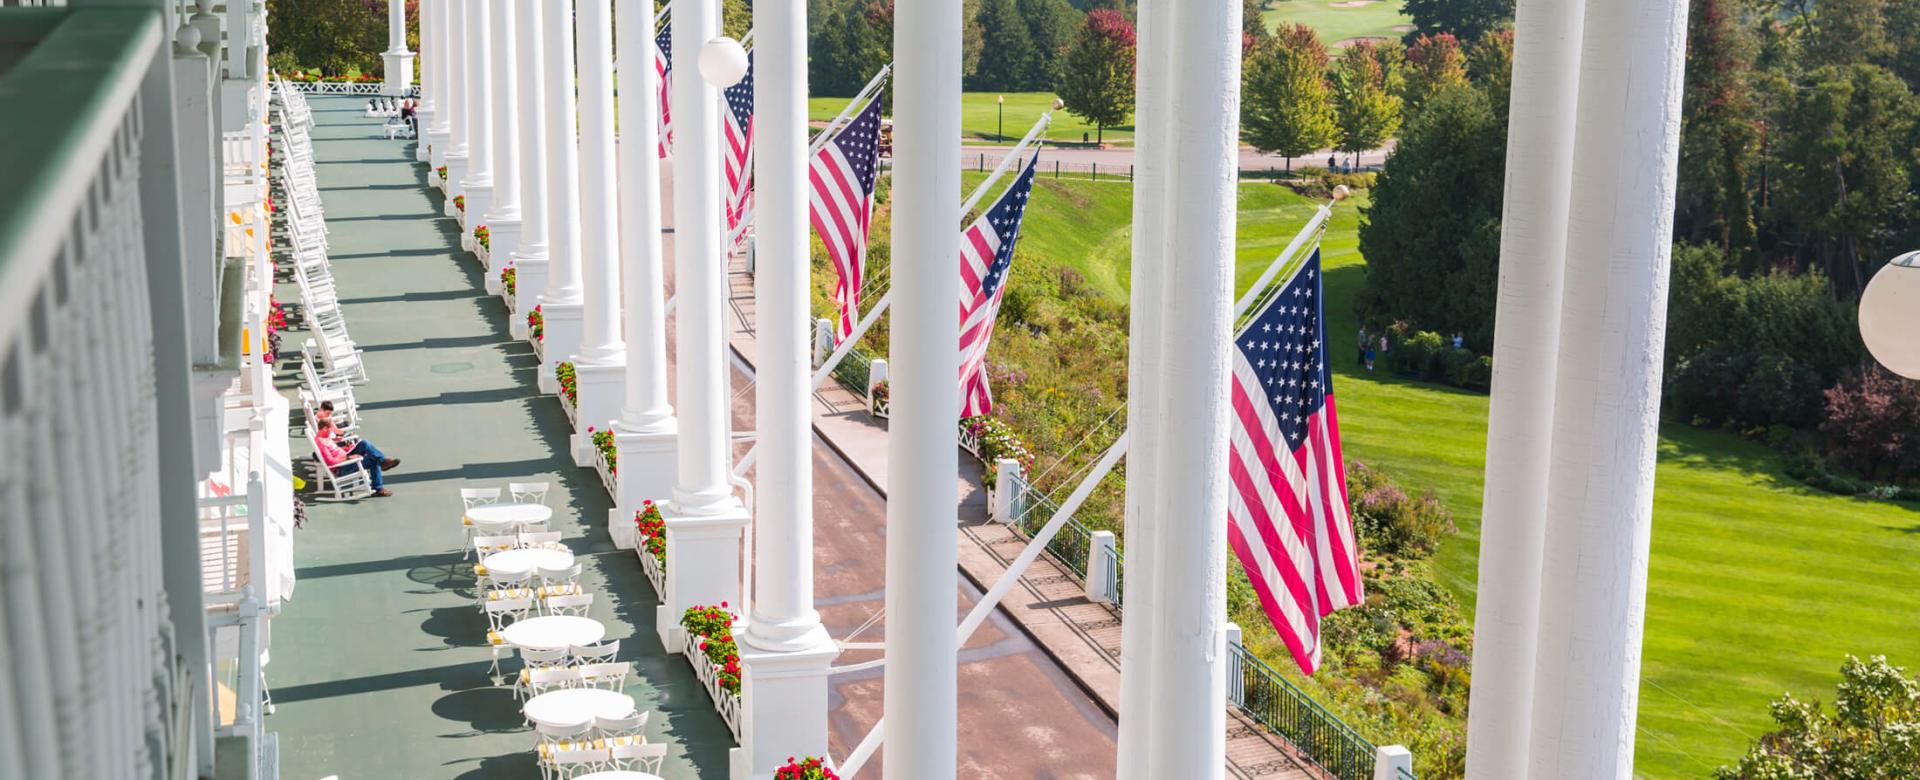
[379, 665]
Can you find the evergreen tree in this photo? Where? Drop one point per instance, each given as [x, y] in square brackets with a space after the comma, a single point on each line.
[1464, 18]
[1432, 234]
[1051, 26]
[1434, 62]
[736, 18]
[1006, 32]
[846, 53]
[1903, 32]
[1367, 114]
[1718, 140]
[1253, 26]
[1098, 82]
[1849, 31]
[1286, 104]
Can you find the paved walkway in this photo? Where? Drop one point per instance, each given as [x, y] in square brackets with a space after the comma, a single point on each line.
[379, 664]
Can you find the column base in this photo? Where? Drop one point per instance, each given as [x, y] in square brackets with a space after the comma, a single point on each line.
[649, 463]
[479, 198]
[529, 283]
[602, 386]
[703, 564]
[456, 178]
[503, 238]
[399, 73]
[423, 117]
[436, 146]
[564, 325]
[784, 702]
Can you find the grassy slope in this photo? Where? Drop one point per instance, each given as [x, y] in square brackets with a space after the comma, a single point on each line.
[1373, 20]
[979, 117]
[1757, 585]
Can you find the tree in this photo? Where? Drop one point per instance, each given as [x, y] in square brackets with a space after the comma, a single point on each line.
[1903, 31]
[1433, 64]
[736, 18]
[1846, 141]
[1367, 114]
[1287, 105]
[1098, 80]
[1846, 32]
[846, 52]
[1001, 25]
[1465, 18]
[336, 36]
[1253, 26]
[1869, 735]
[1490, 67]
[1051, 26]
[1432, 234]
[1719, 142]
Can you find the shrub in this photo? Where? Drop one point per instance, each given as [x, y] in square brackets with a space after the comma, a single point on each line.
[1870, 735]
[1456, 365]
[1389, 521]
[1872, 425]
[1418, 356]
[1705, 389]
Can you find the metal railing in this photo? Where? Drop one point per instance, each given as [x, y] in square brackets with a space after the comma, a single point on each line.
[1070, 547]
[372, 88]
[1116, 575]
[854, 370]
[1269, 698]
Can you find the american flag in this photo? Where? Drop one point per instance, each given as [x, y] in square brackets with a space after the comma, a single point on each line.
[739, 151]
[1287, 510]
[663, 65]
[841, 205]
[986, 257]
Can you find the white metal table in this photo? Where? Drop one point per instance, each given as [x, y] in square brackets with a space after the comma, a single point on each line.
[527, 559]
[553, 632]
[503, 517]
[576, 706]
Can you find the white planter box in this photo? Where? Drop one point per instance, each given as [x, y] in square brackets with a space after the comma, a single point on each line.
[726, 703]
[606, 475]
[971, 444]
[656, 571]
[573, 415]
[880, 409]
[539, 347]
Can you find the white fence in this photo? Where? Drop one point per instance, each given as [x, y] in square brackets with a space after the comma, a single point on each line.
[372, 88]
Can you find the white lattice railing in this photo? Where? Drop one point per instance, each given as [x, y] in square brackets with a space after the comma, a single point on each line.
[373, 88]
[726, 702]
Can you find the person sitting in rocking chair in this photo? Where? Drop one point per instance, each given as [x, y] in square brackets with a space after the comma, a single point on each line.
[336, 457]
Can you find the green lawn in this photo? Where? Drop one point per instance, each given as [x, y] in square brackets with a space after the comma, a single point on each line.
[1336, 24]
[980, 117]
[1758, 586]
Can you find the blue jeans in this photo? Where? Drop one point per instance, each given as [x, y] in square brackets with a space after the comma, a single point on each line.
[370, 458]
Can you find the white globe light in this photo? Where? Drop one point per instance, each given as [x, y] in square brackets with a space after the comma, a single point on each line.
[723, 63]
[1890, 316]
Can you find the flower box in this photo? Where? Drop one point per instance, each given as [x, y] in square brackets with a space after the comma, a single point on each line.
[606, 459]
[711, 628]
[607, 478]
[650, 542]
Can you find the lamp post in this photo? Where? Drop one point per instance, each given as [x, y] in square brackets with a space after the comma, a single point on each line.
[1890, 316]
[1000, 131]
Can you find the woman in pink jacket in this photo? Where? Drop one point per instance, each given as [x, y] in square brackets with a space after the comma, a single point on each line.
[339, 458]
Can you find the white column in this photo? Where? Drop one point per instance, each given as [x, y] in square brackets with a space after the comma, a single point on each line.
[399, 60]
[1526, 338]
[429, 91]
[704, 520]
[503, 218]
[458, 105]
[922, 561]
[530, 256]
[1187, 721]
[560, 304]
[478, 187]
[1607, 390]
[646, 432]
[437, 126]
[1151, 143]
[600, 364]
[785, 651]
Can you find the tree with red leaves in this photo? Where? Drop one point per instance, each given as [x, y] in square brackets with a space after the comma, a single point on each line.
[1097, 84]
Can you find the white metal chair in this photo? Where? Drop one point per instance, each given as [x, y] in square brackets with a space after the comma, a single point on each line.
[500, 614]
[528, 492]
[533, 659]
[546, 539]
[352, 482]
[550, 678]
[594, 654]
[638, 757]
[621, 731]
[576, 605]
[484, 546]
[497, 586]
[560, 738]
[470, 498]
[560, 582]
[612, 676]
[568, 763]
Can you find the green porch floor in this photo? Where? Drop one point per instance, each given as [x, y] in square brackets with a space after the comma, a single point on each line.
[379, 666]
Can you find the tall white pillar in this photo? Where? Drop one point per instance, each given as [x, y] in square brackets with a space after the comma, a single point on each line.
[1151, 145]
[455, 121]
[705, 522]
[785, 651]
[560, 305]
[429, 90]
[922, 561]
[1187, 721]
[399, 61]
[530, 256]
[1607, 390]
[478, 187]
[600, 364]
[437, 126]
[1533, 245]
[646, 434]
[503, 219]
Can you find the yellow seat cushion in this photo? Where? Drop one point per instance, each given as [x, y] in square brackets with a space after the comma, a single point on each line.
[494, 638]
[479, 570]
[549, 591]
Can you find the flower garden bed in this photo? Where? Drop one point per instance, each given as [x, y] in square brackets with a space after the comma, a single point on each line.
[650, 541]
[989, 439]
[710, 647]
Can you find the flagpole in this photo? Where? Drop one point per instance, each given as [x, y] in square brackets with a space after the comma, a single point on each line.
[858, 101]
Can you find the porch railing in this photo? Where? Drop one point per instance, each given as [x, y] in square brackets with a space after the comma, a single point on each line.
[1261, 692]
